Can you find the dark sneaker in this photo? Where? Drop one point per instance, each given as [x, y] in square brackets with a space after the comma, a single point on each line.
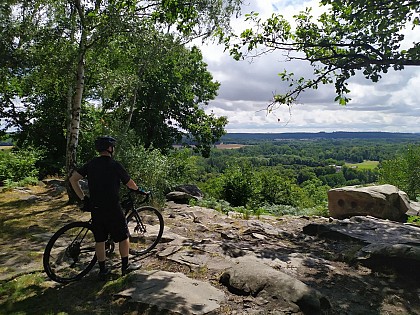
[103, 274]
[131, 267]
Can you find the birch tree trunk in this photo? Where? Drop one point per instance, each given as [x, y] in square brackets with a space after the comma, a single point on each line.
[73, 127]
[134, 101]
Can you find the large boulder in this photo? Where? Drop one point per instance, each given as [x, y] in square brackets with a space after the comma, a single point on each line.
[184, 193]
[382, 201]
[251, 277]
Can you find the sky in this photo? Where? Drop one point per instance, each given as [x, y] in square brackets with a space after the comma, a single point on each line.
[247, 87]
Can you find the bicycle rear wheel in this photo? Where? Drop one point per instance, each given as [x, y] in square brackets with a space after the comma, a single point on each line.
[70, 253]
[145, 225]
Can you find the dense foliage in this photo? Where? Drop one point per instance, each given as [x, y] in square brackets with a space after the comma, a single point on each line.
[297, 174]
[81, 68]
[278, 177]
[19, 167]
[403, 171]
[366, 36]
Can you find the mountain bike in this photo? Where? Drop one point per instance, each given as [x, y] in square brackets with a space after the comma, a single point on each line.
[70, 253]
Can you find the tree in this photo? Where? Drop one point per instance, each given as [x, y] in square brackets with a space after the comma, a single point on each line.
[34, 82]
[83, 27]
[351, 36]
[158, 87]
[403, 171]
[238, 184]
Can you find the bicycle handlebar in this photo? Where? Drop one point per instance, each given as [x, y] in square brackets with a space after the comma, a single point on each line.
[146, 194]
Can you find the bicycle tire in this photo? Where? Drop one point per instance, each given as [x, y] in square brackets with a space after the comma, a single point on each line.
[70, 253]
[145, 226]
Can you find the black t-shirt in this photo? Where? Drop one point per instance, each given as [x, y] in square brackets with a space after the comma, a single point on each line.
[104, 176]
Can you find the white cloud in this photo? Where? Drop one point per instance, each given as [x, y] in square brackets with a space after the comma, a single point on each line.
[391, 104]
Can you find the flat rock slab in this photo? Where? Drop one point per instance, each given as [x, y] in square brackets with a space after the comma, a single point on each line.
[172, 293]
[196, 260]
[385, 242]
[368, 230]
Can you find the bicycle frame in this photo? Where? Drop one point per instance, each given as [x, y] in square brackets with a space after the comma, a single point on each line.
[69, 254]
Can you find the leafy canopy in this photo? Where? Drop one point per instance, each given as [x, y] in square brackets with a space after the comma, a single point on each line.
[350, 36]
[59, 59]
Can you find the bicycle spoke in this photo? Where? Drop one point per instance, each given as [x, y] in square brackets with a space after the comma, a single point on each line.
[146, 228]
[69, 255]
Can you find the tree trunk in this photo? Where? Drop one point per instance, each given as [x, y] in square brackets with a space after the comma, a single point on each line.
[73, 108]
[74, 125]
[71, 194]
[133, 103]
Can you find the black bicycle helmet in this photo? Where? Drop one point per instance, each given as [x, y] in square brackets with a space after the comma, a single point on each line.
[104, 142]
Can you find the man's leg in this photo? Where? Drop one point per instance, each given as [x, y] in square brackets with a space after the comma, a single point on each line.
[124, 247]
[100, 251]
[100, 254]
[126, 267]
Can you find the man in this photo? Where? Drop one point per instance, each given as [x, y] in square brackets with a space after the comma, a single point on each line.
[104, 176]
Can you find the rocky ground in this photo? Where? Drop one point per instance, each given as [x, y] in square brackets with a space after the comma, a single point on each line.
[201, 243]
[323, 264]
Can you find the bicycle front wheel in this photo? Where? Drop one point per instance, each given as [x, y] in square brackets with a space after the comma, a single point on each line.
[145, 225]
[70, 253]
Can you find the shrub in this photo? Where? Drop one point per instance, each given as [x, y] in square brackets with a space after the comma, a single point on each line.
[212, 203]
[16, 165]
[27, 181]
[148, 168]
[238, 185]
[403, 171]
[414, 219]
[152, 170]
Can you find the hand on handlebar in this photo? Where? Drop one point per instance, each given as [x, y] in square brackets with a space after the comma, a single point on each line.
[143, 192]
[85, 204]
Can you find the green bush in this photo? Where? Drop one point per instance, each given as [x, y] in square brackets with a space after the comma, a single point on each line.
[403, 171]
[212, 187]
[414, 219]
[27, 181]
[149, 169]
[280, 210]
[152, 170]
[238, 184]
[16, 165]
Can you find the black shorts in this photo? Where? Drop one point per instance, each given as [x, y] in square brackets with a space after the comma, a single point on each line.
[112, 223]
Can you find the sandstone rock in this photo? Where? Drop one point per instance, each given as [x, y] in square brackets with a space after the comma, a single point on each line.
[383, 243]
[414, 208]
[165, 292]
[184, 193]
[192, 190]
[383, 201]
[179, 197]
[250, 277]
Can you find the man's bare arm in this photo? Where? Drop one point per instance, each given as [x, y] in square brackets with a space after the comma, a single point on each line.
[132, 185]
[74, 181]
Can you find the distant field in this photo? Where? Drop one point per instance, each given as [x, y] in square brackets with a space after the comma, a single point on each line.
[221, 146]
[229, 146]
[5, 147]
[369, 165]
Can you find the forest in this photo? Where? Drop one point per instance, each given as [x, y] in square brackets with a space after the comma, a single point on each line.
[268, 176]
[295, 175]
